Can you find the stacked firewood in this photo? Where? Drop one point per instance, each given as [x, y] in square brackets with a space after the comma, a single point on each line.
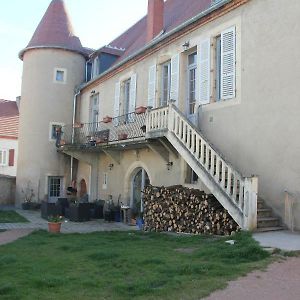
[180, 209]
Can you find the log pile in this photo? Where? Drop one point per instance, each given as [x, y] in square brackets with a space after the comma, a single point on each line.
[180, 209]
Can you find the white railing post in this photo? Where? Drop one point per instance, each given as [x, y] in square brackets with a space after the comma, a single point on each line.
[250, 202]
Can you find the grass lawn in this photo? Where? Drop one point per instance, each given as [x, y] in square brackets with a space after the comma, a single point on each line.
[11, 216]
[123, 265]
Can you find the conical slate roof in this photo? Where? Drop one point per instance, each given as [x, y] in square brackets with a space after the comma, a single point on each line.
[55, 31]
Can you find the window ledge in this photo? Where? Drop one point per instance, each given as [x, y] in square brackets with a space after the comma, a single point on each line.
[219, 105]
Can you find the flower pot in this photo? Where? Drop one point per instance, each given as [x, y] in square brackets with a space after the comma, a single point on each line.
[107, 119]
[54, 227]
[26, 205]
[78, 125]
[122, 136]
[140, 110]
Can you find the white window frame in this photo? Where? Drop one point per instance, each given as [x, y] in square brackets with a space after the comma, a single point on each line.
[64, 81]
[161, 100]
[105, 181]
[4, 160]
[50, 129]
[191, 68]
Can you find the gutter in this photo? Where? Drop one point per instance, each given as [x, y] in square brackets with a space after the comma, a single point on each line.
[159, 39]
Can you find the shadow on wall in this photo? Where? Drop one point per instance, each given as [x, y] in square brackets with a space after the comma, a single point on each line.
[7, 190]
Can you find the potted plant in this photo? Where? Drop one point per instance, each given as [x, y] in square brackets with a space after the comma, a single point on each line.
[54, 224]
[140, 110]
[122, 136]
[107, 119]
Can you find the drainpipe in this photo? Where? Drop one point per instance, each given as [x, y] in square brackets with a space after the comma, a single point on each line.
[73, 130]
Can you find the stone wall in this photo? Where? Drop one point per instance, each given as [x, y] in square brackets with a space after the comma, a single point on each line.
[7, 190]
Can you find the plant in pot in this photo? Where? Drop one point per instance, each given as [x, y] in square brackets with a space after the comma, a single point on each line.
[54, 223]
[28, 195]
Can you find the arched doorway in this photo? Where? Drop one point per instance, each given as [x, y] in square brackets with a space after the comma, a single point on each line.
[140, 179]
[83, 189]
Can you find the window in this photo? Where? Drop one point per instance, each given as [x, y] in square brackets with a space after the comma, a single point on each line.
[55, 185]
[54, 128]
[191, 176]
[105, 179]
[166, 83]
[192, 68]
[94, 109]
[60, 75]
[95, 67]
[3, 157]
[126, 97]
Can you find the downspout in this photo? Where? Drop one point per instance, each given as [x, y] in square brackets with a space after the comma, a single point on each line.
[73, 130]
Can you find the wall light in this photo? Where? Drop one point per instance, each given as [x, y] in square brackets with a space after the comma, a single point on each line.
[169, 165]
[110, 166]
[93, 92]
[186, 45]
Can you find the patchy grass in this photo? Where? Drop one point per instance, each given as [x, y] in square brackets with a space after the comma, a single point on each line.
[11, 216]
[123, 265]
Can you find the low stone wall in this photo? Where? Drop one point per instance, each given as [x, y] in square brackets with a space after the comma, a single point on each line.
[7, 190]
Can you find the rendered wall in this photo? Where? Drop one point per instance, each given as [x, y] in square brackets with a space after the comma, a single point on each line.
[45, 101]
[7, 190]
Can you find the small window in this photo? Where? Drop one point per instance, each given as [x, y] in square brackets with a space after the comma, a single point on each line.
[3, 157]
[191, 176]
[54, 129]
[105, 178]
[60, 75]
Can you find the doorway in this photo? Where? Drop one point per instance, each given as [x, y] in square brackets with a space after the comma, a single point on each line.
[139, 181]
[55, 185]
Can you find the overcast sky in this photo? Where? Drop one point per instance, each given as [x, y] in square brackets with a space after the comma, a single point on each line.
[96, 22]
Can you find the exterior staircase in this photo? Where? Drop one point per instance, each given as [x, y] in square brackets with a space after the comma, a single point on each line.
[236, 193]
[266, 221]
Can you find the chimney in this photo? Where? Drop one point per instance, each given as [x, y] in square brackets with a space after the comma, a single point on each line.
[155, 18]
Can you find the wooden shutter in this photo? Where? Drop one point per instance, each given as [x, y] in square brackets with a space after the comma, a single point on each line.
[152, 86]
[174, 89]
[228, 45]
[117, 103]
[132, 95]
[11, 157]
[204, 71]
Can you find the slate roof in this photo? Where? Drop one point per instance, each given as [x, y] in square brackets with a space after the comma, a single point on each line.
[55, 30]
[9, 119]
[176, 12]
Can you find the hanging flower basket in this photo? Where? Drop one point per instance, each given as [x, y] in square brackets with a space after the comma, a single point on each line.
[107, 119]
[140, 110]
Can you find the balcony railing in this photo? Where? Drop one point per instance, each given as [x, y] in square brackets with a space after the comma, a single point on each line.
[125, 127]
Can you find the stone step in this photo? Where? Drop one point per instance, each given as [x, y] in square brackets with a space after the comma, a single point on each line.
[264, 212]
[267, 222]
[265, 229]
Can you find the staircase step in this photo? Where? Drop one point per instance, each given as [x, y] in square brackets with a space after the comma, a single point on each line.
[264, 212]
[264, 229]
[267, 222]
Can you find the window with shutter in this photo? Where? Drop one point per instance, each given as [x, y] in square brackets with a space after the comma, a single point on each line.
[165, 83]
[174, 90]
[11, 157]
[228, 56]
[152, 86]
[132, 96]
[117, 103]
[204, 72]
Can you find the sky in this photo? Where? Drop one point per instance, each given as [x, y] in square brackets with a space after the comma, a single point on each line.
[96, 22]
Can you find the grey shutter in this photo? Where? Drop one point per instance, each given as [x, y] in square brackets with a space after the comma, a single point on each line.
[204, 72]
[117, 103]
[228, 45]
[152, 86]
[132, 97]
[174, 89]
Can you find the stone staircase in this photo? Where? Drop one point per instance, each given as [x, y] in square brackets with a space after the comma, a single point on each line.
[266, 220]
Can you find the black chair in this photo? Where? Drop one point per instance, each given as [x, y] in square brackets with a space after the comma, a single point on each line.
[64, 203]
[78, 212]
[50, 209]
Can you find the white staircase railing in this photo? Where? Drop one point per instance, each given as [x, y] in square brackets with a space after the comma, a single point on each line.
[236, 193]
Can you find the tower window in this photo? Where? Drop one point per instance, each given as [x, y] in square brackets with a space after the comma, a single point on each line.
[60, 75]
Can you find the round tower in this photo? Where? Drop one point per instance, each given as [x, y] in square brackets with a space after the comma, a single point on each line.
[53, 65]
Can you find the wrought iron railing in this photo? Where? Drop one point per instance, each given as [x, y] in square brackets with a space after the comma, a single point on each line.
[129, 126]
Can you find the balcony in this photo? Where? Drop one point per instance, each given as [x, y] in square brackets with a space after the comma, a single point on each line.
[124, 129]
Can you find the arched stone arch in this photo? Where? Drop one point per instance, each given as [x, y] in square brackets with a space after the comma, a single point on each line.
[130, 173]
